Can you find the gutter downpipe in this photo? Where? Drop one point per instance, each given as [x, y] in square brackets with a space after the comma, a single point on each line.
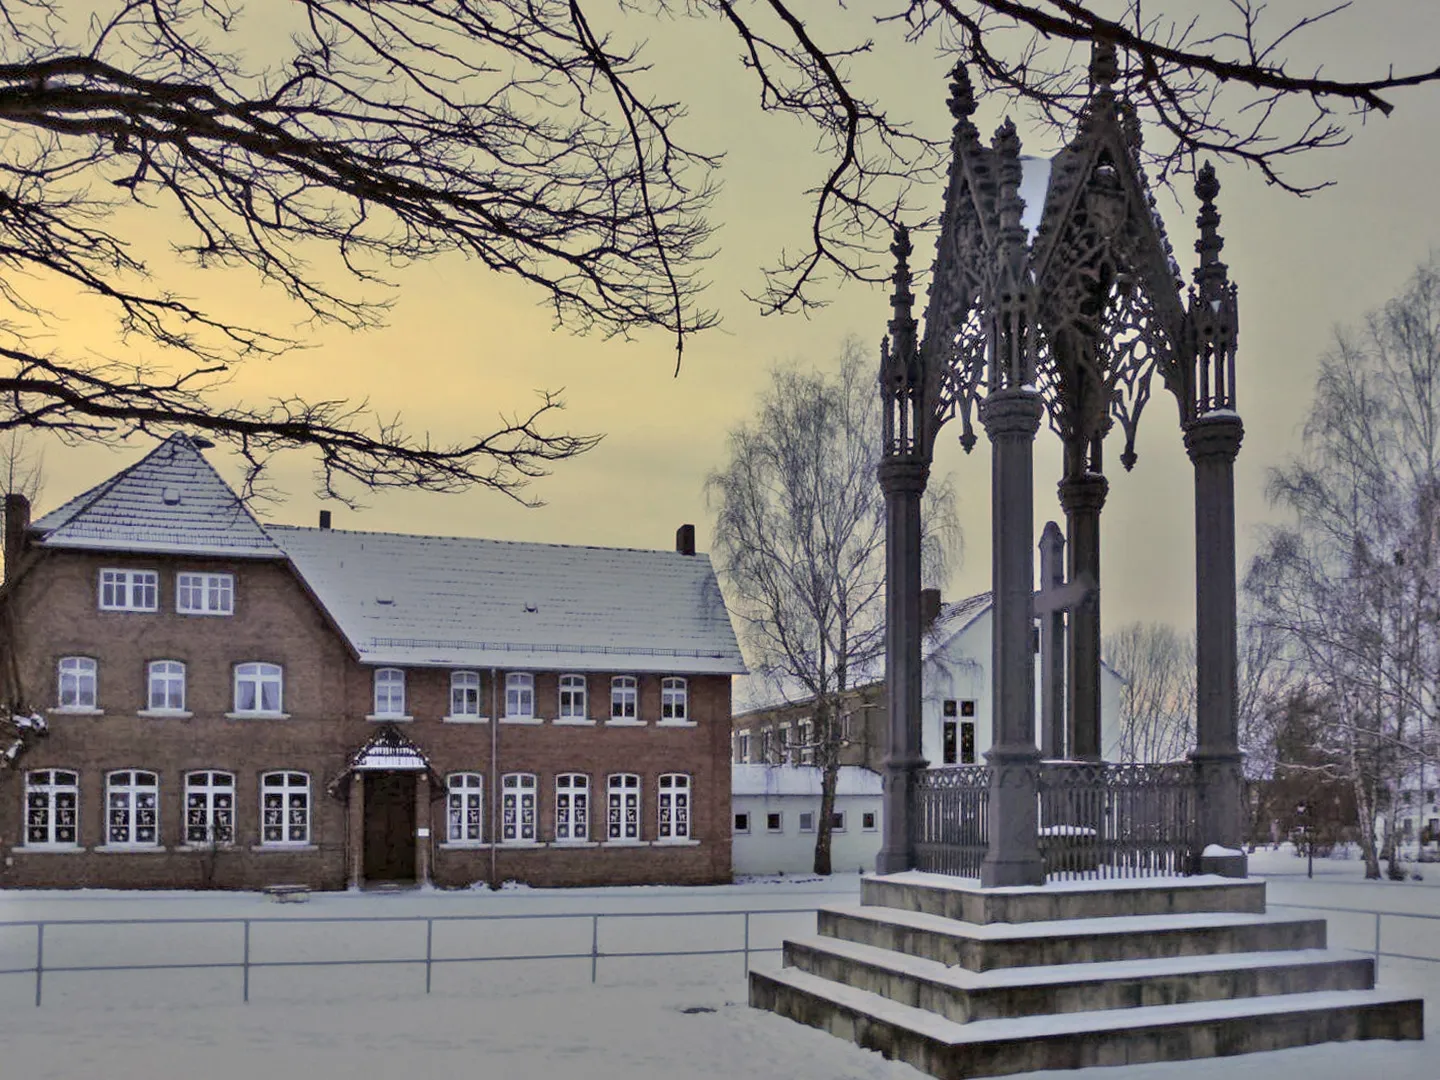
[494, 774]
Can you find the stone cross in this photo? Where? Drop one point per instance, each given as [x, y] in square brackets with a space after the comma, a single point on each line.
[1054, 599]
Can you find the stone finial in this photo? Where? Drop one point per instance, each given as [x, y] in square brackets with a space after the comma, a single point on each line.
[902, 322]
[1212, 271]
[962, 93]
[1007, 140]
[1104, 64]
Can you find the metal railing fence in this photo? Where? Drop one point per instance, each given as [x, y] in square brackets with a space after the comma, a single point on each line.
[247, 963]
[950, 808]
[1379, 916]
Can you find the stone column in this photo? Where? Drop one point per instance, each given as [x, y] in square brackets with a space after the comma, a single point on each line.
[903, 482]
[1052, 647]
[356, 810]
[1212, 442]
[1082, 497]
[422, 828]
[1011, 418]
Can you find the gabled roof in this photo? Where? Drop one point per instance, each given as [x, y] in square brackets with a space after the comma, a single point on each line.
[953, 619]
[461, 602]
[170, 501]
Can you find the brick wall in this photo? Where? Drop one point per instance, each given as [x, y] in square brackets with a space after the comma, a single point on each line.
[327, 695]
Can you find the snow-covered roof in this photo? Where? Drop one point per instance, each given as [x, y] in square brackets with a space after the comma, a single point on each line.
[460, 602]
[800, 780]
[389, 749]
[954, 618]
[170, 501]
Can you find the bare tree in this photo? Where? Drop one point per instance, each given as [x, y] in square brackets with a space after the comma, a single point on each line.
[1157, 703]
[1352, 586]
[800, 537]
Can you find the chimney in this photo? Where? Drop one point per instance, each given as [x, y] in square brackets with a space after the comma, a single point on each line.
[685, 540]
[929, 609]
[17, 523]
[324, 519]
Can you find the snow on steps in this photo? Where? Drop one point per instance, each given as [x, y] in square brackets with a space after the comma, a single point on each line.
[964, 996]
[953, 1051]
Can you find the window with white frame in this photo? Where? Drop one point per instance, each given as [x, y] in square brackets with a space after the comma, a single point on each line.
[807, 821]
[464, 817]
[775, 821]
[767, 740]
[742, 822]
[674, 806]
[167, 686]
[517, 808]
[129, 590]
[742, 748]
[132, 808]
[674, 699]
[464, 693]
[785, 744]
[77, 682]
[806, 749]
[258, 688]
[572, 807]
[52, 804]
[867, 821]
[209, 808]
[624, 697]
[623, 817]
[205, 594]
[389, 692]
[284, 808]
[572, 697]
[520, 695]
[837, 821]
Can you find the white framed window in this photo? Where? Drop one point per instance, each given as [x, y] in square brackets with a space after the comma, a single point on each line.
[674, 699]
[807, 821]
[806, 749]
[572, 697]
[77, 682]
[132, 808]
[785, 744]
[623, 807]
[52, 808]
[572, 807]
[464, 693]
[517, 808]
[389, 692]
[742, 748]
[742, 823]
[205, 594]
[775, 821]
[867, 821]
[259, 688]
[674, 807]
[837, 821]
[464, 808]
[129, 590]
[209, 808]
[624, 697]
[166, 686]
[520, 695]
[284, 808]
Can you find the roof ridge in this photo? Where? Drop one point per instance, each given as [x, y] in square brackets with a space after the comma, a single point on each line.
[482, 540]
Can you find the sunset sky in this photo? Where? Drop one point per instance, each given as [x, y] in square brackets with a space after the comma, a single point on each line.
[464, 345]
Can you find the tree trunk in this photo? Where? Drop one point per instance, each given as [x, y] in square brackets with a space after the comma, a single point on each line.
[829, 777]
[1365, 811]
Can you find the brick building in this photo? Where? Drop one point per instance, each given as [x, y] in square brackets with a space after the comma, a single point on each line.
[235, 704]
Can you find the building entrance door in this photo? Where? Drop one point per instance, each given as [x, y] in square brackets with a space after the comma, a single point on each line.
[390, 826]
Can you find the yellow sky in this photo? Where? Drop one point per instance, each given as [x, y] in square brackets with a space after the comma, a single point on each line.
[463, 345]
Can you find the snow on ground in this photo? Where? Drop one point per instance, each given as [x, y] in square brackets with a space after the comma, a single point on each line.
[520, 1019]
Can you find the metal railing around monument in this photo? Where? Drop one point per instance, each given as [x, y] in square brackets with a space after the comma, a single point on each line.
[1097, 820]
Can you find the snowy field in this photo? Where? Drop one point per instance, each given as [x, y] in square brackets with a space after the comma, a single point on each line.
[673, 1017]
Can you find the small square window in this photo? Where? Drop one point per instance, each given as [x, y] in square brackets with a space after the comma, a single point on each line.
[950, 706]
[867, 821]
[742, 823]
[807, 821]
[774, 822]
[967, 708]
[837, 821]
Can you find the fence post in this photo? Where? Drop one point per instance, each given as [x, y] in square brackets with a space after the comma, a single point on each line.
[1377, 943]
[245, 963]
[429, 937]
[747, 944]
[594, 944]
[39, 960]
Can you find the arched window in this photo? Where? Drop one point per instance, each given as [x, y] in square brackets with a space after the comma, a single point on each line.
[517, 808]
[167, 686]
[464, 805]
[132, 808]
[674, 807]
[572, 807]
[674, 700]
[209, 808]
[464, 693]
[390, 692]
[623, 807]
[284, 808]
[624, 697]
[52, 805]
[520, 695]
[77, 682]
[572, 697]
[258, 688]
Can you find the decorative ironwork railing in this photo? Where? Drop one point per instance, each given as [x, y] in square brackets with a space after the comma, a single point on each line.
[1117, 820]
[1097, 820]
[951, 814]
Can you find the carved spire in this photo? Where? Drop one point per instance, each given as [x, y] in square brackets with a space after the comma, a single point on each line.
[902, 321]
[902, 375]
[962, 94]
[1211, 275]
[1006, 146]
[1214, 308]
[1104, 65]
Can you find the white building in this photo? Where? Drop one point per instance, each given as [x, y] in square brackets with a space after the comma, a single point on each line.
[777, 809]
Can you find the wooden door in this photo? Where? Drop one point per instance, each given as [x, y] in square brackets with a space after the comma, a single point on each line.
[390, 826]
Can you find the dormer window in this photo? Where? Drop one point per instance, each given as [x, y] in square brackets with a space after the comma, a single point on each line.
[129, 590]
[205, 594]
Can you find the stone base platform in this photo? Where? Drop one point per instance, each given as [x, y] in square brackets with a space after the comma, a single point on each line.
[964, 982]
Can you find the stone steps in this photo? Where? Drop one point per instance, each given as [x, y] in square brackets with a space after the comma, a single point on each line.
[965, 996]
[952, 1051]
[984, 946]
[1074, 974]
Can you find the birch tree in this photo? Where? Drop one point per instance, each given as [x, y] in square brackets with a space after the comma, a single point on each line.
[800, 546]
